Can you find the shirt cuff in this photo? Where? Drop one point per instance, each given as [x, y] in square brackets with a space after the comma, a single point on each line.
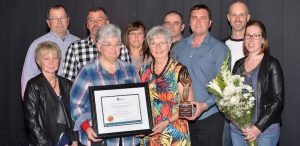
[85, 125]
[209, 103]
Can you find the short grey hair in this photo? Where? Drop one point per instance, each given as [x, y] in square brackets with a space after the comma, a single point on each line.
[159, 30]
[109, 30]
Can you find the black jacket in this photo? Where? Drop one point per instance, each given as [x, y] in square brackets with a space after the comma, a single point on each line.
[271, 84]
[44, 111]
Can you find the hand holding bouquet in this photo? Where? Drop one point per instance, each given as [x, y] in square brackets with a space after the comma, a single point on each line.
[234, 98]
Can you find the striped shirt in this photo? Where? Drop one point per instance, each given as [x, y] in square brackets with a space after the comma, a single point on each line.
[93, 74]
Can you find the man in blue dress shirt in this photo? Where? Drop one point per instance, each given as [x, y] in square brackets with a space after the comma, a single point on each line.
[203, 55]
[58, 22]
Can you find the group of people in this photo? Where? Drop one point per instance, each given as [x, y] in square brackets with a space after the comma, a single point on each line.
[59, 69]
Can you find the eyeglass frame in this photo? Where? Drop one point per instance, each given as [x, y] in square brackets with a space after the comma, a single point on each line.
[253, 36]
[109, 45]
[154, 45]
[58, 19]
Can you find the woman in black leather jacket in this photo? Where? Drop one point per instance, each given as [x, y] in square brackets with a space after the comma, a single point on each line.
[263, 72]
[47, 99]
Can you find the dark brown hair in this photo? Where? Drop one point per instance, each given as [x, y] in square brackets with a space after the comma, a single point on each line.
[96, 9]
[177, 13]
[133, 26]
[201, 6]
[265, 44]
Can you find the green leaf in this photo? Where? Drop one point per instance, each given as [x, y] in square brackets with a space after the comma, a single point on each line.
[214, 92]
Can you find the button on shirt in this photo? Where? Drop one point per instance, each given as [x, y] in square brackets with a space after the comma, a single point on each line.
[80, 53]
[203, 63]
[30, 68]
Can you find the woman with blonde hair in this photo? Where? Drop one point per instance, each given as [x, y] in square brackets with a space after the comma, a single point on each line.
[47, 101]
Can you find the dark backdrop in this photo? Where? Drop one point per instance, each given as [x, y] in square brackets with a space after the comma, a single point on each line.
[22, 21]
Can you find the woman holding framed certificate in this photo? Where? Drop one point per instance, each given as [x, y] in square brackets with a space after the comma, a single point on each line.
[105, 70]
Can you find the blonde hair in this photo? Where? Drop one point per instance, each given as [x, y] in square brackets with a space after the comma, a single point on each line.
[45, 48]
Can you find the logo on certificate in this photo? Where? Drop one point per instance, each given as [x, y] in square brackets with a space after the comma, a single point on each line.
[110, 118]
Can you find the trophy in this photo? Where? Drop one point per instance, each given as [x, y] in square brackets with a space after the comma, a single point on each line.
[185, 107]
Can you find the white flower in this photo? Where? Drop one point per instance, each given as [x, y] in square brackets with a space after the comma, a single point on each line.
[249, 88]
[214, 85]
[229, 90]
[252, 98]
[236, 100]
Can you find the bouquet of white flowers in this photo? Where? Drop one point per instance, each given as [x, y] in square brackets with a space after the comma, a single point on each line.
[234, 97]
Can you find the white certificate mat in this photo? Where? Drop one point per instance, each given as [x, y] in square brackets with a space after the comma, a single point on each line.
[119, 110]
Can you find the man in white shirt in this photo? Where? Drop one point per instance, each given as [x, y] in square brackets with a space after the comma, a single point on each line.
[238, 16]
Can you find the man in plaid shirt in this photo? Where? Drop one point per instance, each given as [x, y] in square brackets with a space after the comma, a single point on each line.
[83, 51]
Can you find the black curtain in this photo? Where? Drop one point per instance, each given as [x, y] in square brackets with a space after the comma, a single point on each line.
[24, 21]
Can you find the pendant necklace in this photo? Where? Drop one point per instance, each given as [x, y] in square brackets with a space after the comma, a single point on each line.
[161, 73]
[55, 83]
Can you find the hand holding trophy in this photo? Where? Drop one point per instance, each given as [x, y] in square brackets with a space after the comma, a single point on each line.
[185, 107]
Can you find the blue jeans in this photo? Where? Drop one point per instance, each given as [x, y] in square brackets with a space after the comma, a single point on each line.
[262, 140]
[226, 134]
[126, 141]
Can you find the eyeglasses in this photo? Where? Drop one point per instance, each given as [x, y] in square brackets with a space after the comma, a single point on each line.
[109, 45]
[136, 33]
[58, 19]
[253, 36]
[160, 44]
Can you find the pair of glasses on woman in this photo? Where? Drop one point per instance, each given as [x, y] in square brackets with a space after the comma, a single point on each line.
[253, 36]
[109, 45]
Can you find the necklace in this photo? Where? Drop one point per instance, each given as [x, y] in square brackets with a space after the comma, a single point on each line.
[55, 83]
[161, 73]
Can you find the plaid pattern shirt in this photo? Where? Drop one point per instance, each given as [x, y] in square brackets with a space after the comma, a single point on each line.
[80, 53]
[93, 74]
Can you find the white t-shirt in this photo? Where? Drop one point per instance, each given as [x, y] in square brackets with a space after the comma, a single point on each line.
[236, 49]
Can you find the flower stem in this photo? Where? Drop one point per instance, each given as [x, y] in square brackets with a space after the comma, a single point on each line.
[252, 143]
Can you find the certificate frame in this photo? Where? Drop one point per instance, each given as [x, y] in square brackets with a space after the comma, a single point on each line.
[121, 110]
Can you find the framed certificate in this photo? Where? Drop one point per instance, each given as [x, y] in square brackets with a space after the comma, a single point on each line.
[121, 110]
